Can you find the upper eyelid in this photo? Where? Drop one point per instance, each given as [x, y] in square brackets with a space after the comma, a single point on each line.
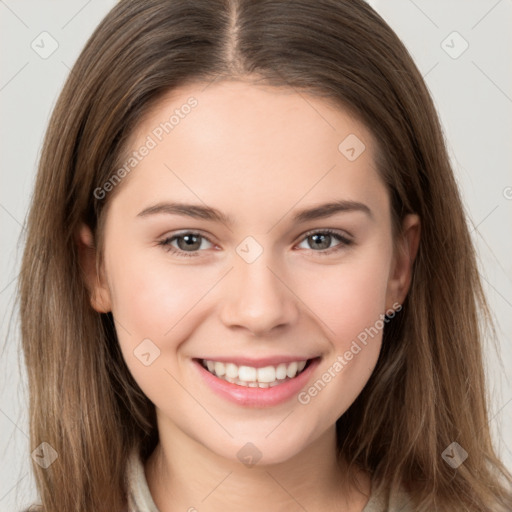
[333, 231]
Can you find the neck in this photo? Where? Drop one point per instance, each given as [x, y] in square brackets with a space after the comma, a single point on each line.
[184, 475]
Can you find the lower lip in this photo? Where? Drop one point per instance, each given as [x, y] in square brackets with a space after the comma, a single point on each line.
[257, 397]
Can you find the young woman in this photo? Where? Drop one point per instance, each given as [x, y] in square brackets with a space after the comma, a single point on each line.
[248, 281]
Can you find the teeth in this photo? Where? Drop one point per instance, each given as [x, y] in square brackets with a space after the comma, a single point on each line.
[266, 374]
[265, 377]
[281, 372]
[291, 371]
[247, 373]
[231, 370]
[219, 368]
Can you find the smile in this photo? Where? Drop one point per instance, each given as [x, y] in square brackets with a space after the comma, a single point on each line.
[250, 376]
[256, 382]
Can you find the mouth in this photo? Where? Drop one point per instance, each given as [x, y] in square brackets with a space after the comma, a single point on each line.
[252, 376]
[257, 383]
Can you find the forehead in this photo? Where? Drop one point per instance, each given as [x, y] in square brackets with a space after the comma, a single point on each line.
[258, 143]
[248, 113]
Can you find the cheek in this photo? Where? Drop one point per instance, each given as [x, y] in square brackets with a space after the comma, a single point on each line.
[349, 297]
[152, 296]
[155, 301]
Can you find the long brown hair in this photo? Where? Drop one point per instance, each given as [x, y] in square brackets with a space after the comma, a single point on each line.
[427, 390]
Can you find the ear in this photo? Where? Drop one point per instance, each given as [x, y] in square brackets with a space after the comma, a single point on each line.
[401, 271]
[96, 284]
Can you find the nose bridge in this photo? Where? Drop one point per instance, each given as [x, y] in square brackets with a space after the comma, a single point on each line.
[258, 299]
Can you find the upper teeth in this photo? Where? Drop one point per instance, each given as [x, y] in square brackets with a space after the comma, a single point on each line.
[254, 377]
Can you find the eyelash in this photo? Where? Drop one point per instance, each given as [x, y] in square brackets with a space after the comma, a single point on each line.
[345, 242]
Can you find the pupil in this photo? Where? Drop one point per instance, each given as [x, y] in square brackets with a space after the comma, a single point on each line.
[326, 240]
[189, 242]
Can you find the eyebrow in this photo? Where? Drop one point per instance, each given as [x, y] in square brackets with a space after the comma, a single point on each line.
[320, 211]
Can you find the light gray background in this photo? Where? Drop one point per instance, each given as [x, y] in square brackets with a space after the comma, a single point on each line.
[473, 94]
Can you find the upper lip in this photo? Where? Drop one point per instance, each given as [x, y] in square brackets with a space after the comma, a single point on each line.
[260, 362]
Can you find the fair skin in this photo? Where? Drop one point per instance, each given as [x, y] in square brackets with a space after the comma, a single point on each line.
[259, 155]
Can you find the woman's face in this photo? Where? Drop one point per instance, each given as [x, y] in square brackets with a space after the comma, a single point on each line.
[250, 230]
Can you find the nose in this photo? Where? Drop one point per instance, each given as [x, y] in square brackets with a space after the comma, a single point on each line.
[258, 298]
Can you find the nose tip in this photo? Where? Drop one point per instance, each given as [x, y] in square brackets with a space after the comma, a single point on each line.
[257, 299]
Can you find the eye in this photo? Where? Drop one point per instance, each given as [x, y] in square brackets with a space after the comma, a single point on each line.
[323, 239]
[188, 243]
